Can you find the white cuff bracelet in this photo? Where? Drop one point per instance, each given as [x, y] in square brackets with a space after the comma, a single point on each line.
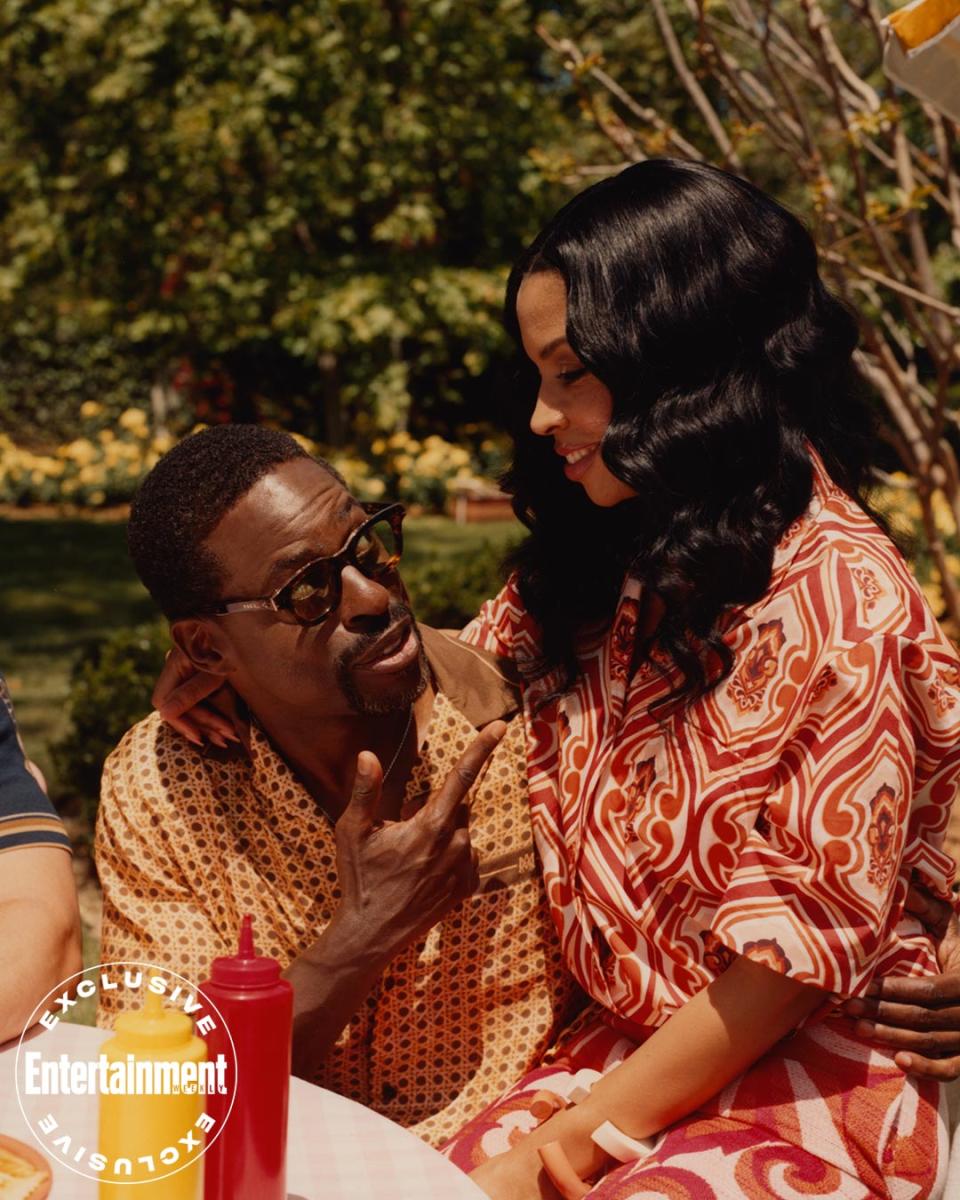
[616, 1143]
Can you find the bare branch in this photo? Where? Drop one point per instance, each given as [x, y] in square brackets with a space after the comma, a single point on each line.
[693, 88]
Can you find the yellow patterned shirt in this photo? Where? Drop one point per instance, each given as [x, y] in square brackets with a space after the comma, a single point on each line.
[187, 842]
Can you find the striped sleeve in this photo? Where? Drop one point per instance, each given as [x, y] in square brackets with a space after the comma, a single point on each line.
[27, 818]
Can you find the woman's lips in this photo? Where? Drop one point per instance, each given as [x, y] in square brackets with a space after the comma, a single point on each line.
[578, 460]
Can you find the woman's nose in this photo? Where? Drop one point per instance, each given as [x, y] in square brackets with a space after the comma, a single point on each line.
[545, 419]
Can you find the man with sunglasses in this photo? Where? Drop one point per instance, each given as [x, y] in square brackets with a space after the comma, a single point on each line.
[382, 845]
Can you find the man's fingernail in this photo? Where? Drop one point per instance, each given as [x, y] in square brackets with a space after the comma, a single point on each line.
[865, 1028]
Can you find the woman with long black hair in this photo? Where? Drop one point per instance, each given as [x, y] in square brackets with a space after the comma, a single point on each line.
[744, 721]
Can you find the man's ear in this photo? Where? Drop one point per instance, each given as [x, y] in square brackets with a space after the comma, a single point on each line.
[204, 645]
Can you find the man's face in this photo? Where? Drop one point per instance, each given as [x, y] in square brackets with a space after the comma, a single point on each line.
[365, 657]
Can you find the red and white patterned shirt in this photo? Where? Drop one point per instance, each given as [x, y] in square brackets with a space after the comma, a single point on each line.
[781, 815]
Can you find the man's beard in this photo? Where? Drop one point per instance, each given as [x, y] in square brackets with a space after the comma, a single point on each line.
[380, 706]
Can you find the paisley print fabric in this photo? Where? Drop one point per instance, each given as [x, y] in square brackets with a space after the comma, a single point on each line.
[780, 816]
[823, 1115]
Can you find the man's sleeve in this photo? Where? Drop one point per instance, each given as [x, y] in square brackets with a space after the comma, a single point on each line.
[150, 912]
[27, 818]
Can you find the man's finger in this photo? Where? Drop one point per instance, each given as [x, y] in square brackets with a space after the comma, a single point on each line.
[364, 806]
[933, 1044]
[933, 912]
[931, 990]
[904, 1016]
[442, 805]
[945, 1069]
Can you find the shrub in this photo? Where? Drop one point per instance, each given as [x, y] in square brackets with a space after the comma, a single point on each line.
[448, 592]
[110, 691]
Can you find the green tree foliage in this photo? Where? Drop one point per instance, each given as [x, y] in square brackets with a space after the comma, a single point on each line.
[312, 201]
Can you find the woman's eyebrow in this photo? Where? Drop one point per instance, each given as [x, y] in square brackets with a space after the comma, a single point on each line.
[549, 348]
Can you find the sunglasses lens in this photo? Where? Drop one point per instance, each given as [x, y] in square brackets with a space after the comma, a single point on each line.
[314, 593]
[377, 549]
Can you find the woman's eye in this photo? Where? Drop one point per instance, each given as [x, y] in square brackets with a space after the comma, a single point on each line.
[568, 377]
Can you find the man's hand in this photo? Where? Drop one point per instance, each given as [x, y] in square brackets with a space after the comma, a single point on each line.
[198, 705]
[920, 1018]
[398, 878]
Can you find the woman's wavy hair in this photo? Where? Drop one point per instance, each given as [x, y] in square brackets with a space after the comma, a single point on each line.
[696, 300]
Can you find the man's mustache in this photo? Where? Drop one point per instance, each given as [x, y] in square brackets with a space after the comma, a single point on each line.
[394, 616]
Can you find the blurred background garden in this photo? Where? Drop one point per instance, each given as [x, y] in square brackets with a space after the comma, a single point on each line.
[304, 215]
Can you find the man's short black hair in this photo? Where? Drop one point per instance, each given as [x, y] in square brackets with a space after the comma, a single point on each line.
[182, 501]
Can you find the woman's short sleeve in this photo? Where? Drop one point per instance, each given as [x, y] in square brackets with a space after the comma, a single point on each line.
[858, 800]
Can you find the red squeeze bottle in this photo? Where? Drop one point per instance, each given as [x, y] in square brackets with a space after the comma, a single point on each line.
[248, 1160]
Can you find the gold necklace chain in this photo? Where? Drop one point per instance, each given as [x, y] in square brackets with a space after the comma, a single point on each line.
[403, 740]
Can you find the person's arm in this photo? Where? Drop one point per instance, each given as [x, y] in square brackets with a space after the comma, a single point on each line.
[39, 930]
[39, 917]
[919, 1018]
[397, 879]
[716, 1036]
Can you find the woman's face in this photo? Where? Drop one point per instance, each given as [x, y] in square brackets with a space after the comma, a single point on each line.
[573, 406]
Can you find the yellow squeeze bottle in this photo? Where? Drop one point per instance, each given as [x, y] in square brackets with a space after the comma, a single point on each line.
[154, 1133]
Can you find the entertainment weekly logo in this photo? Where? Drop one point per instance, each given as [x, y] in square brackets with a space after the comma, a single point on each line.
[61, 1085]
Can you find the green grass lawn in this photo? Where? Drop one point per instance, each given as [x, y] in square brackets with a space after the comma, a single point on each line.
[66, 583]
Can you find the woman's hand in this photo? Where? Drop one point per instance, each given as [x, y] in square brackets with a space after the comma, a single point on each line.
[919, 1018]
[520, 1175]
[198, 705]
[516, 1175]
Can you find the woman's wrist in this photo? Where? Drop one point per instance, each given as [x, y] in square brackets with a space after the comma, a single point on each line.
[572, 1129]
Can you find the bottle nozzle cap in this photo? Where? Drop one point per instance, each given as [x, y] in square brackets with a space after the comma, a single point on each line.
[246, 949]
[246, 968]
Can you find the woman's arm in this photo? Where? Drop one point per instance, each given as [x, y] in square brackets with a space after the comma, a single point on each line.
[716, 1036]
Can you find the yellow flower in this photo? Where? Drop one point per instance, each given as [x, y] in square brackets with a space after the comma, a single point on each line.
[943, 514]
[934, 598]
[378, 445]
[90, 409]
[134, 420]
[82, 451]
[375, 488]
[97, 497]
[107, 436]
[403, 462]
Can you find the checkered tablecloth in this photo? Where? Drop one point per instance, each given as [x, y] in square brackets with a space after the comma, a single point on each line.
[337, 1150]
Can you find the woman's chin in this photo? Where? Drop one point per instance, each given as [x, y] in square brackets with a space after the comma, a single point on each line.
[607, 493]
